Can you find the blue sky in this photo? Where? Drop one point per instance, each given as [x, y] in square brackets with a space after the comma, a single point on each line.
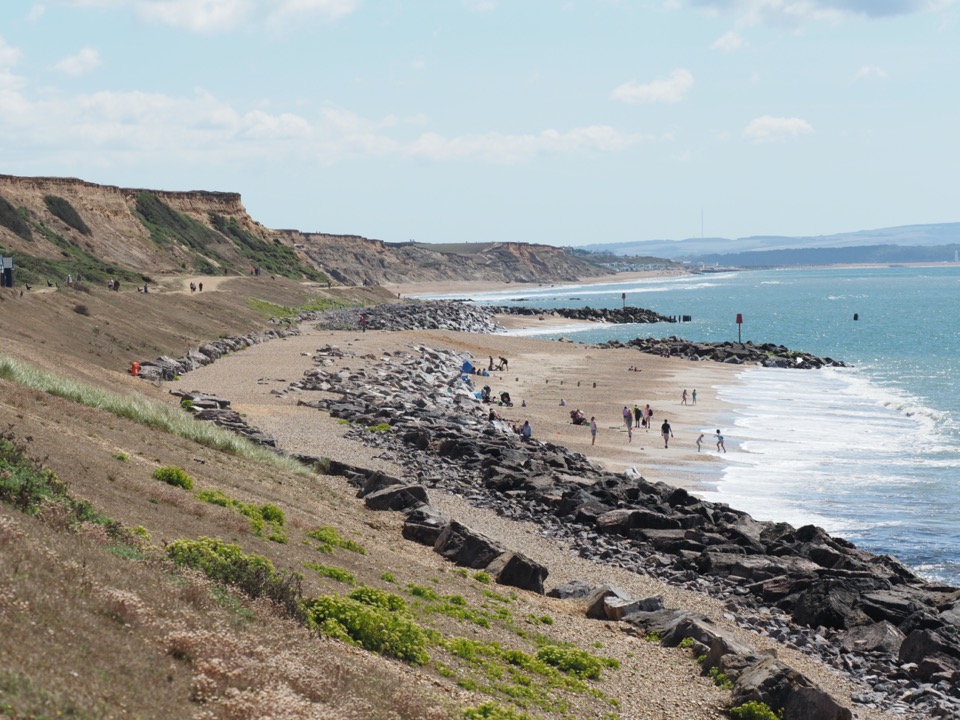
[564, 123]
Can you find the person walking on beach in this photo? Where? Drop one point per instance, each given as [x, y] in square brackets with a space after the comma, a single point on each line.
[637, 415]
[627, 417]
[667, 432]
[699, 442]
[683, 398]
[693, 396]
[593, 431]
[649, 413]
[720, 445]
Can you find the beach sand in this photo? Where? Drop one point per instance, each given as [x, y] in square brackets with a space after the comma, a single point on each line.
[540, 373]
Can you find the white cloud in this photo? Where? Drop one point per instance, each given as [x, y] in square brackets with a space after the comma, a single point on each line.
[9, 56]
[36, 12]
[766, 129]
[728, 42]
[869, 71]
[662, 90]
[207, 16]
[793, 13]
[85, 61]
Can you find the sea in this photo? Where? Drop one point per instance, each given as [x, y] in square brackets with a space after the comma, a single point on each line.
[870, 453]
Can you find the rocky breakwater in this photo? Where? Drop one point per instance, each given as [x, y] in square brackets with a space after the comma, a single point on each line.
[866, 615]
[410, 315]
[607, 315]
[168, 368]
[736, 353]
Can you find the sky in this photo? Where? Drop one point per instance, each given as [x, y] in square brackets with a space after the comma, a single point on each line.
[440, 121]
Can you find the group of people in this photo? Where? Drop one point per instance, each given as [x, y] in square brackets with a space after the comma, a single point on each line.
[501, 365]
[196, 286]
[721, 447]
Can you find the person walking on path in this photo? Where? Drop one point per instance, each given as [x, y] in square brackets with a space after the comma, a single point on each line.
[693, 396]
[683, 398]
[699, 442]
[667, 432]
[593, 431]
[363, 323]
[720, 445]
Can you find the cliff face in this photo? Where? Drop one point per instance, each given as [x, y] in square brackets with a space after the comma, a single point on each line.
[359, 261]
[57, 225]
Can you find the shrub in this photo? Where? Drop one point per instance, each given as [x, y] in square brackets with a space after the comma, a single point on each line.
[252, 574]
[329, 538]
[686, 643]
[61, 208]
[575, 662]
[754, 710]
[334, 573]
[175, 476]
[482, 577]
[371, 626]
[81, 309]
[492, 711]
[14, 219]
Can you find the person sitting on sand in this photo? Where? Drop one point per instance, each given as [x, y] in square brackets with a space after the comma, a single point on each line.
[577, 417]
[526, 432]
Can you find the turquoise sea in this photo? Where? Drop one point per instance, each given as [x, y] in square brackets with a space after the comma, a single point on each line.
[870, 453]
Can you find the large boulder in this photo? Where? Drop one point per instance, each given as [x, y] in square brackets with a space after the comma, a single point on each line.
[771, 682]
[519, 571]
[424, 525]
[467, 548]
[397, 497]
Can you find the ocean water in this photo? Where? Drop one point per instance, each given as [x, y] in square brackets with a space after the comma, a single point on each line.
[870, 453]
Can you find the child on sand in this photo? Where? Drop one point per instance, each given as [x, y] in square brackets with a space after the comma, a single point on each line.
[720, 445]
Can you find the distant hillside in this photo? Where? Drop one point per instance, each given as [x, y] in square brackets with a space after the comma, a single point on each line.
[908, 243]
[56, 226]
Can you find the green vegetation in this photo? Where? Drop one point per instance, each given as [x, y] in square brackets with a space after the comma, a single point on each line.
[524, 679]
[754, 710]
[266, 520]
[379, 428]
[371, 619]
[175, 476]
[318, 304]
[576, 662]
[167, 226]
[492, 711]
[482, 577]
[720, 679]
[334, 573]
[388, 577]
[19, 698]
[653, 637]
[686, 643]
[27, 485]
[252, 574]
[61, 208]
[329, 538]
[121, 457]
[273, 257]
[14, 220]
[145, 412]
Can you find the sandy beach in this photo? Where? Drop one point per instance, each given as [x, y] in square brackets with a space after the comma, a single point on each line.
[546, 380]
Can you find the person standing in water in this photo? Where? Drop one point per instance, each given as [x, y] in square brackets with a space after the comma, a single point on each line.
[720, 445]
